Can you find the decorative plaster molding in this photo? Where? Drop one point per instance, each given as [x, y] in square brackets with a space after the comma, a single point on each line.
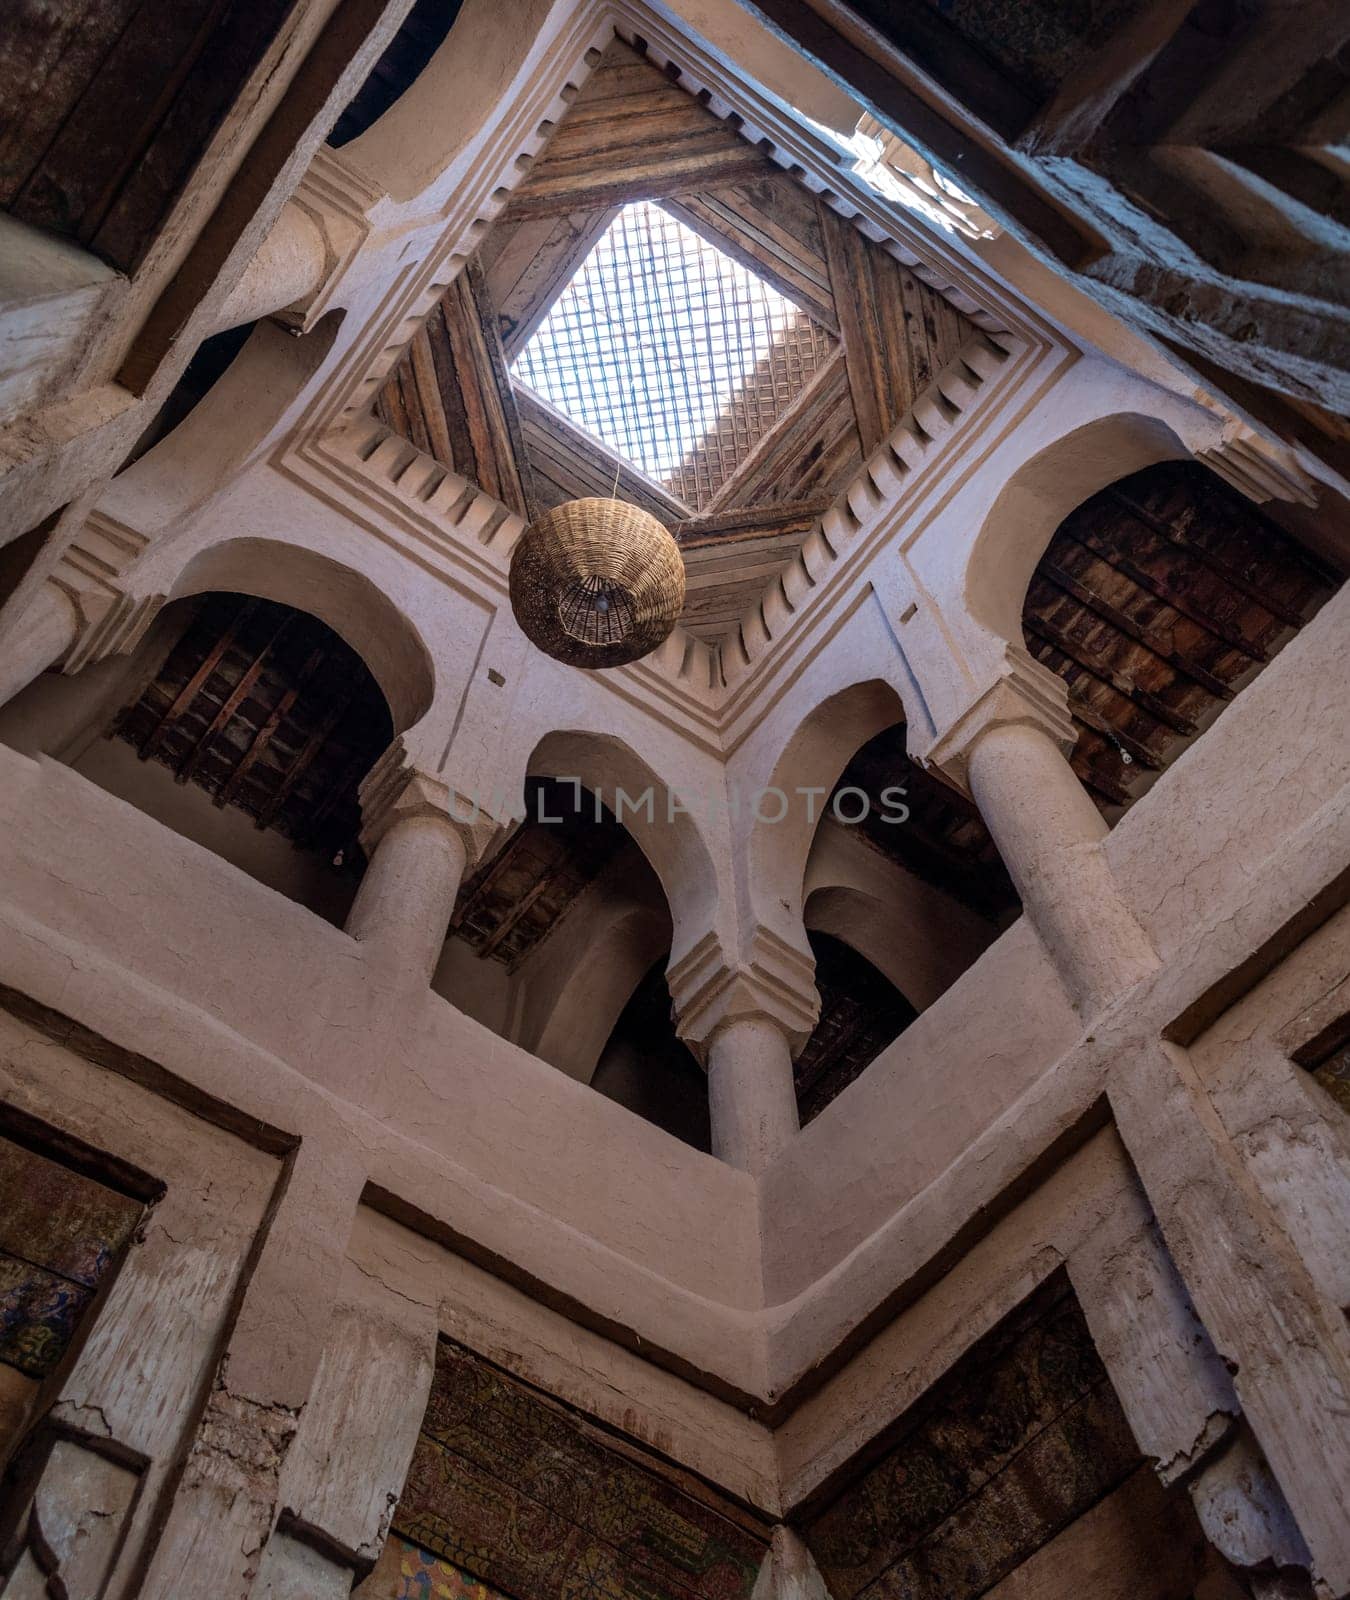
[1027, 693]
[394, 791]
[89, 573]
[915, 443]
[339, 198]
[1258, 468]
[777, 981]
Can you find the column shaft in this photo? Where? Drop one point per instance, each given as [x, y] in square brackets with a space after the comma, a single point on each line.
[751, 1096]
[407, 896]
[42, 634]
[1050, 835]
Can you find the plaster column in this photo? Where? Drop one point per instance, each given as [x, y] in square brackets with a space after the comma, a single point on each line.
[745, 1021]
[42, 634]
[289, 265]
[1009, 749]
[751, 1096]
[407, 896]
[420, 837]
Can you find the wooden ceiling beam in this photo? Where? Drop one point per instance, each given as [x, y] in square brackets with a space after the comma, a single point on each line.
[1147, 637]
[190, 689]
[897, 332]
[229, 705]
[304, 759]
[263, 737]
[1108, 550]
[1169, 529]
[1105, 673]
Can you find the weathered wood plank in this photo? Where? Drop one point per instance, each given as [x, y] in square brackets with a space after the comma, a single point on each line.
[527, 264]
[897, 332]
[770, 225]
[810, 455]
[451, 395]
[570, 464]
[632, 134]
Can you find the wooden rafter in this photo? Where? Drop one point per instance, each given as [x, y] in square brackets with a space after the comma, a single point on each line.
[1104, 672]
[229, 705]
[257, 747]
[1149, 638]
[897, 332]
[304, 759]
[1163, 589]
[452, 395]
[1175, 533]
[189, 691]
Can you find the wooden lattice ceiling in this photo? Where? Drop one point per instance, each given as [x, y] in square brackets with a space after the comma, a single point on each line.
[633, 134]
[518, 896]
[268, 710]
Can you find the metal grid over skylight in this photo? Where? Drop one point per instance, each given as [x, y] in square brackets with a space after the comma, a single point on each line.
[676, 357]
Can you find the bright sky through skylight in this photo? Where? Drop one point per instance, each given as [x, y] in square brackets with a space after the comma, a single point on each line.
[651, 338]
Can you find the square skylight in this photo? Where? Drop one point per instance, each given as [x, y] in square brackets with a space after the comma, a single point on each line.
[673, 355]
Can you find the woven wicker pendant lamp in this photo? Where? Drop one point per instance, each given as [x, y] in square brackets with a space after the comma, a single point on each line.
[597, 583]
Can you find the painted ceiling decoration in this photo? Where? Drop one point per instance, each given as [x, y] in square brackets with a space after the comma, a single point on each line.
[764, 444]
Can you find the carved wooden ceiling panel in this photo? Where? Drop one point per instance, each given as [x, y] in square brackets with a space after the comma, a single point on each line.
[1021, 1437]
[633, 134]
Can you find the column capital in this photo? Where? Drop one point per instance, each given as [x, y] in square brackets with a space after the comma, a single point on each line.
[395, 790]
[1024, 693]
[89, 572]
[776, 981]
[1258, 467]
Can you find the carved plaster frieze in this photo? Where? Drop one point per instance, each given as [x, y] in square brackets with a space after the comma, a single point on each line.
[776, 980]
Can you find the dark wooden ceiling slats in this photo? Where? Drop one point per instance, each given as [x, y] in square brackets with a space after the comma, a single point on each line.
[266, 709]
[1155, 601]
[631, 134]
[515, 900]
[452, 396]
[897, 332]
[304, 759]
[228, 706]
[1151, 638]
[1161, 584]
[257, 746]
[107, 106]
[210, 661]
[1104, 672]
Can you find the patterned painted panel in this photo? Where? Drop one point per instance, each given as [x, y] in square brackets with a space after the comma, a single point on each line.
[59, 1232]
[529, 1498]
[416, 1574]
[1024, 1436]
